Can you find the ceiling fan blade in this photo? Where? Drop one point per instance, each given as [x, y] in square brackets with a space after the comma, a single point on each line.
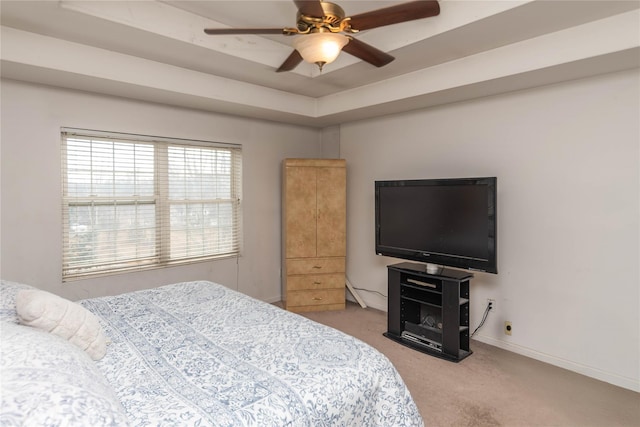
[367, 53]
[227, 31]
[310, 7]
[395, 14]
[291, 62]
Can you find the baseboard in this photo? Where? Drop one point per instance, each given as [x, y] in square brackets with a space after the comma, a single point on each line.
[620, 381]
[271, 300]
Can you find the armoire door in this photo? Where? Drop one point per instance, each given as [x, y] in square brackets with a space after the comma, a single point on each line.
[331, 207]
[300, 212]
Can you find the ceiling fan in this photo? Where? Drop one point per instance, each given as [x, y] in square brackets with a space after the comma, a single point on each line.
[320, 25]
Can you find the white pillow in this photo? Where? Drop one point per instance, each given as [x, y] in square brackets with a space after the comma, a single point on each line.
[62, 317]
[46, 381]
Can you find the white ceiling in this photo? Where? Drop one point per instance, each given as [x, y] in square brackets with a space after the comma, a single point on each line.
[157, 51]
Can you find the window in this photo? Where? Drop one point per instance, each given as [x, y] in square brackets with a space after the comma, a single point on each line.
[132, 202]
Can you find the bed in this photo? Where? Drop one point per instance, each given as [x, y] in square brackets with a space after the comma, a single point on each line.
[196, 354]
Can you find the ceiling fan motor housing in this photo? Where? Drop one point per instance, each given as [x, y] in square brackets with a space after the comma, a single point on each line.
[331, 21]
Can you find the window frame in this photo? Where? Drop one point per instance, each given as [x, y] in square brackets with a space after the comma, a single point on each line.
[161, 199]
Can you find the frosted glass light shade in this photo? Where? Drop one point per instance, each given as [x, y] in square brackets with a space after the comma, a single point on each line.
[320, 48]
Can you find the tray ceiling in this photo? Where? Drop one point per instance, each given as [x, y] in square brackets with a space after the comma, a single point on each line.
[157, 51]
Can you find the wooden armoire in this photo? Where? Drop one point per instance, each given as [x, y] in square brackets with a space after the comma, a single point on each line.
[314, 234]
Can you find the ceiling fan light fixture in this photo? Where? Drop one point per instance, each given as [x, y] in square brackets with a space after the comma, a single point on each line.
[320, 48]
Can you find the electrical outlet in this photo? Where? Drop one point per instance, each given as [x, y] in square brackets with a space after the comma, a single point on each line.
[492, 302]
[507, 327]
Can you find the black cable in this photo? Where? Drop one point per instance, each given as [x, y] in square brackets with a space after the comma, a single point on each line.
[484, 317]
[369, 290]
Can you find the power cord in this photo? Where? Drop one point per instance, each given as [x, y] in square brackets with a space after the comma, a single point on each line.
[369, 290]
[484, 317]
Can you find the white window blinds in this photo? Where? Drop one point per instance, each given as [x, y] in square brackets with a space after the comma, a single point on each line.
[132, 202]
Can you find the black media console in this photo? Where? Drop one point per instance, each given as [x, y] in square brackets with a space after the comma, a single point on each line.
[429, 312]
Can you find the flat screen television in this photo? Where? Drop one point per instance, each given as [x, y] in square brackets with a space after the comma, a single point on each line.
[446, 222]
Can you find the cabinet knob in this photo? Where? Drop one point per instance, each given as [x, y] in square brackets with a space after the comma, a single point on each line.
[317, 299]
[317, 283]
[317, 266]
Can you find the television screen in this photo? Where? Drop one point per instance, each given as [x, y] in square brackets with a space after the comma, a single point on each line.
[449, 222]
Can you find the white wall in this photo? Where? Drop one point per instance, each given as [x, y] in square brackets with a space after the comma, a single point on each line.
[31, 215]
[567, 160]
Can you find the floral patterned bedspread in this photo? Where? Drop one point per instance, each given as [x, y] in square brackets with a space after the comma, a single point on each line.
[200, 354]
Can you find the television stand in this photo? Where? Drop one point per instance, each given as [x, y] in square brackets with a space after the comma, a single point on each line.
[429, 312]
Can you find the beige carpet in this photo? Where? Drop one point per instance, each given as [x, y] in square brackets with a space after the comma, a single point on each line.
[492, 387]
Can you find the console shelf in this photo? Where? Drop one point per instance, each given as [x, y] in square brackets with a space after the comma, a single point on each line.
[429, 312]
